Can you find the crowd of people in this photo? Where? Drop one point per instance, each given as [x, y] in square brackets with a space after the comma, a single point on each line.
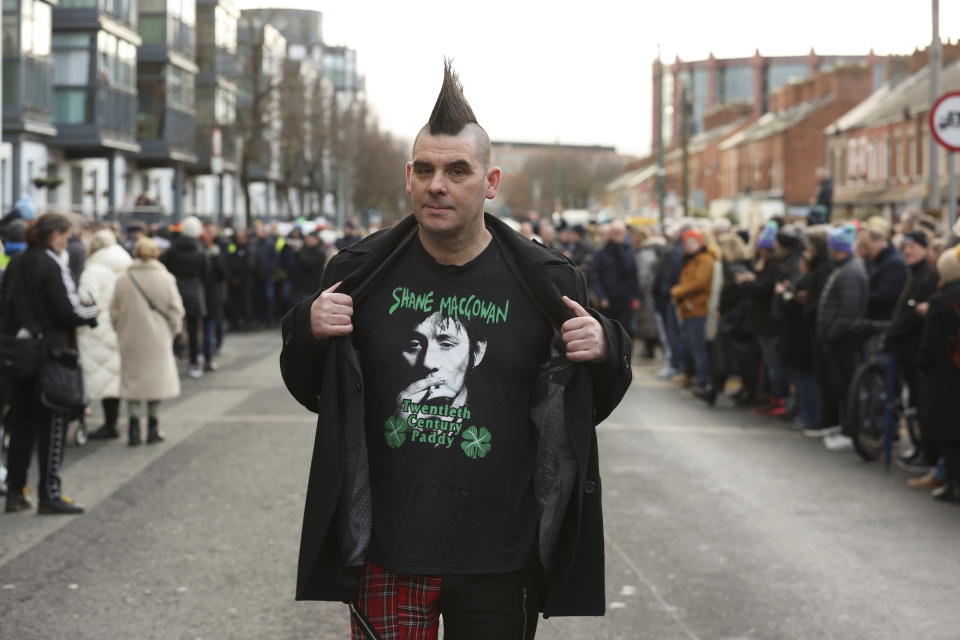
[782, 315]
[790, 309]
[133, 303]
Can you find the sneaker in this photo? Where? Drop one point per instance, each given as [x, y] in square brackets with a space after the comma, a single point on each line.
[667, 373]
[838, 442]
[18, 501]
[927, 482]
[821, 432]
[210, 366]
[195, 371]
[913, 463]
[949, 492]
[61, 505]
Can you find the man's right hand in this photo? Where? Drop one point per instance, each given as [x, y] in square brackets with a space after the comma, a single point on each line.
[331, 314]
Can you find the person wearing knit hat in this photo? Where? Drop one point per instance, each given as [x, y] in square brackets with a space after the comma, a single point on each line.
[842, 307]
[186, 260]
[191, 227]
[937, 358]
[768, 237]
[842, 238]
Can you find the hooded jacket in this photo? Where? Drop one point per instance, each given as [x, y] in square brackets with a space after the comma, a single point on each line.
[569, 401]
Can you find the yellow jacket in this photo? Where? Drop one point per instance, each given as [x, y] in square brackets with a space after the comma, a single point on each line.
[693, 291]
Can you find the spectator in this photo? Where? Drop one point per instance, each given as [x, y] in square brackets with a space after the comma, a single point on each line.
[99, 350]
[886, 269]
[668, 275]
[147, 312]
[349, 238]
[39, 298]
[938, 360]
[187, 261]
[650, 248]
[841, 309]
[241, 263]
[214, 291]
[690, 295]
[903, 337]
[310, 262]
[757, 287]
[613, 277]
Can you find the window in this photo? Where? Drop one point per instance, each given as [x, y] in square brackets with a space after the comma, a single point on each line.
[780, 74]
[180, 87]
[70, 106]
[71, 67]
[35, 28]
[152, 30]
[737, 84]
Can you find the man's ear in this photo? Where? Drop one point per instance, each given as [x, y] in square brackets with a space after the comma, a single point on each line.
[479, 349]
[493, 182]
[409, 172]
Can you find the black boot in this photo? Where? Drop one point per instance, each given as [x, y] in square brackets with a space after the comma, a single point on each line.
[134, 432]
[106, 432]
[17, 500]
[949, 492]
[61, 505]
[153, 431]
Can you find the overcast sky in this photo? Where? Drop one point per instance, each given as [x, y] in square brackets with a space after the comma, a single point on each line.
[579, 72]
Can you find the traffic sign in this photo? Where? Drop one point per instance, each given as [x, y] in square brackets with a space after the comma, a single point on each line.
[945, 120]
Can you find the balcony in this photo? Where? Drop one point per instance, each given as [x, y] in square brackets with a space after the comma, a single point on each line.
[27, 95]
[103, 116]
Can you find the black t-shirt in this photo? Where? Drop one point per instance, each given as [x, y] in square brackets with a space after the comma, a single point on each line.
[449, 357]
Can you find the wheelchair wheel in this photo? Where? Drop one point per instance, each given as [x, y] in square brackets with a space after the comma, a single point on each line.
[866, 410]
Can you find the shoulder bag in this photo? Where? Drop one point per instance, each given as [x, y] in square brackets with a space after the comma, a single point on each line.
[20, 356]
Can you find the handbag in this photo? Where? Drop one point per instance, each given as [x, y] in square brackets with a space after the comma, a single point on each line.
[19, 357]
[61, 380]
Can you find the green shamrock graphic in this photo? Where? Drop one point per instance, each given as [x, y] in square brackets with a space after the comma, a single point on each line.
[395, 431]
[476, 445]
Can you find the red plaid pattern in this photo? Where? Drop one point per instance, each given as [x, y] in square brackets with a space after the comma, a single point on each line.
[399, 607]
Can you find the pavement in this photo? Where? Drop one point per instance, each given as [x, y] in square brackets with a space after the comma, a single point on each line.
[719, 525]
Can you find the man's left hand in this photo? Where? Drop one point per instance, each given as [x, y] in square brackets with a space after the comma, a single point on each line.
[583, 335]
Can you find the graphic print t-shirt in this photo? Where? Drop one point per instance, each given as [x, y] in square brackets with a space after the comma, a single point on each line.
[450, 355]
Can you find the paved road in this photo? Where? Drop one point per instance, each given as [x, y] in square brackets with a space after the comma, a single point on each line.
[720, 525]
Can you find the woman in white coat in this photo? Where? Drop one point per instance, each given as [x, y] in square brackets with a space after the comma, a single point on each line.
[99, 351]
[147, 312]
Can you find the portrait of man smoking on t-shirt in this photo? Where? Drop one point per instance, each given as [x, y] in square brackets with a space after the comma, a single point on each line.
[442, 351]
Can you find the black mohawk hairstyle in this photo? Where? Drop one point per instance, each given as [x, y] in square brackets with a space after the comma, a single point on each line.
[452, 112]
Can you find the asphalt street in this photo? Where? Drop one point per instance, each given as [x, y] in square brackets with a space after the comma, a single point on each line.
[720, 525]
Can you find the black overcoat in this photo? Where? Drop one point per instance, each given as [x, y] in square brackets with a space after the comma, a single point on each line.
[940, 380]
[327, 379]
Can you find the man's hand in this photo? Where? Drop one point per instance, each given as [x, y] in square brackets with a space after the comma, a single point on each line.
[583, 335]
[331, 314]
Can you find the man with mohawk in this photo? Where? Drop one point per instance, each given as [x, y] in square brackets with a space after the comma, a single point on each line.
[458, 378]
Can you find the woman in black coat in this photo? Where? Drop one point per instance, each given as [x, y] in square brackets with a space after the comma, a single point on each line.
[938, 359]
[39, 299]
[187, 261]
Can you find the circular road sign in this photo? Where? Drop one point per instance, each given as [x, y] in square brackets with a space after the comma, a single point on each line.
[945, 120]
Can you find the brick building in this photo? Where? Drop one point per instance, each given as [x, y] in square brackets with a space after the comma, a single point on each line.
[878, 153]
[717, 81]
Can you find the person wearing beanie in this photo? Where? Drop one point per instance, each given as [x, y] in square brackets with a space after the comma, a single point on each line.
[903, 339]
[187, 261]
[191, 227]
[757, 287]
[940, 373]
[768, 237]
[842, 308]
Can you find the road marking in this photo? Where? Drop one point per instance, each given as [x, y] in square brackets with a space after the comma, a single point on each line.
[668, 608]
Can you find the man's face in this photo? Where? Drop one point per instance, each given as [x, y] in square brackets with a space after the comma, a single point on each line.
[442, 347]
[914, 253]
[448, 185]
[873, 246]
[618, 233]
